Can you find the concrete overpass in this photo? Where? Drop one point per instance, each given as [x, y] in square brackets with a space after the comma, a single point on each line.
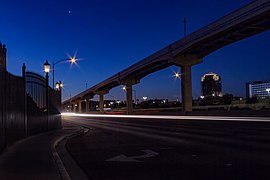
[249, 20]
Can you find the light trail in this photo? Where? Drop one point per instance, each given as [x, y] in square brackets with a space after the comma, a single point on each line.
[212, 118]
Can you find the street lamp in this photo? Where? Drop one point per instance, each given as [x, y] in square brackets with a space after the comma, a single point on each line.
[177, 75]
[59, 85]
[47, 66]
[72, 60]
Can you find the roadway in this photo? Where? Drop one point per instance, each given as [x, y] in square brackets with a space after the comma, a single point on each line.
[187, 147]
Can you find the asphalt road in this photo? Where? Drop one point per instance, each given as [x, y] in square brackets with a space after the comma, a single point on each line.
[142, 148]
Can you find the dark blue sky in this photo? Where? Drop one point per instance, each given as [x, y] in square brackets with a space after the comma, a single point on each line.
[112, 35]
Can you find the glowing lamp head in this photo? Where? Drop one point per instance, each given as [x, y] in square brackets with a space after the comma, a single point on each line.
[177, 75]
[61, 84]
[124, 88]
[47, 67]
[57, 85]
[73, 60]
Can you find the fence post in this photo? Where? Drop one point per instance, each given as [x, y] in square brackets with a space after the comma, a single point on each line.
[47, 99]
[25, 100]
[3, 55]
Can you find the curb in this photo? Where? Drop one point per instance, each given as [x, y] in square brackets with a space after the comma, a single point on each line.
[74, 171]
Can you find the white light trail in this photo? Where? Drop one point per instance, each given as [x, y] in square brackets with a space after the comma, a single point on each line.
[212, 118]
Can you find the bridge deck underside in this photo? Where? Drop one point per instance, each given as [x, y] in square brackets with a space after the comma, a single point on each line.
[242, 31]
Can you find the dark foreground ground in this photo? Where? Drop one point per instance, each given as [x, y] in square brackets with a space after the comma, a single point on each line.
[122, 148]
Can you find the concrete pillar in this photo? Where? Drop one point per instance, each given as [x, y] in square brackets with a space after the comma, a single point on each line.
[186, 61]
[75, 107]
[101, 102]
[80, 106]
[129, 98]
[186, 88]
[128, 84]
[87, 105]
[70, 108]
[101, 99]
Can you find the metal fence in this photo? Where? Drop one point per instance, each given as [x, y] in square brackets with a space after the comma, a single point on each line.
[36, 89]
[28, 106]
[43, 104]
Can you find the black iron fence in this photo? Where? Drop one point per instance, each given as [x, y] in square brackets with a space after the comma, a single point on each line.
[43, 104]
[28, 106]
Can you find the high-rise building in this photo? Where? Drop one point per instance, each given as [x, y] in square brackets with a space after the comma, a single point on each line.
[259, 89]
[211, 84]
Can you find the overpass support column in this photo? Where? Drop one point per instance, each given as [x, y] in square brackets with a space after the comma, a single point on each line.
[129, 98]
[186, 87]
[87, 105]
[80, 106]
[69, 107]
[128, 85]
[101, 99]
[101, 103]
[74, 107]
[186, 61]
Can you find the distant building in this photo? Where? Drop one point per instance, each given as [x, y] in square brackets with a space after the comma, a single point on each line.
[211, 85]
[259, 89]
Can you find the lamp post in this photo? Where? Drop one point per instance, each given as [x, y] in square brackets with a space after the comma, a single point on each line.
[58, 87]
[47, 70]
[72, 60]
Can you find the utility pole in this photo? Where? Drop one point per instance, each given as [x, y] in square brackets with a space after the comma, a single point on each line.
[185, 27]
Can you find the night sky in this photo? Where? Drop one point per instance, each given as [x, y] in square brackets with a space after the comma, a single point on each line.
[110, 35]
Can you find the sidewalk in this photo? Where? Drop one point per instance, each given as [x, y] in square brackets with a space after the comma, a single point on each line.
[33, 158]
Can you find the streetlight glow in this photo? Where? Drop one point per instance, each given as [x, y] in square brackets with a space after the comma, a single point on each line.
[47, 67]
[177, 75]
[57, 85]
[73, 60]
[61, 84]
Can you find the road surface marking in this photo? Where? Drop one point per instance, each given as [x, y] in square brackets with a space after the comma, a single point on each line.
[124, 158]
